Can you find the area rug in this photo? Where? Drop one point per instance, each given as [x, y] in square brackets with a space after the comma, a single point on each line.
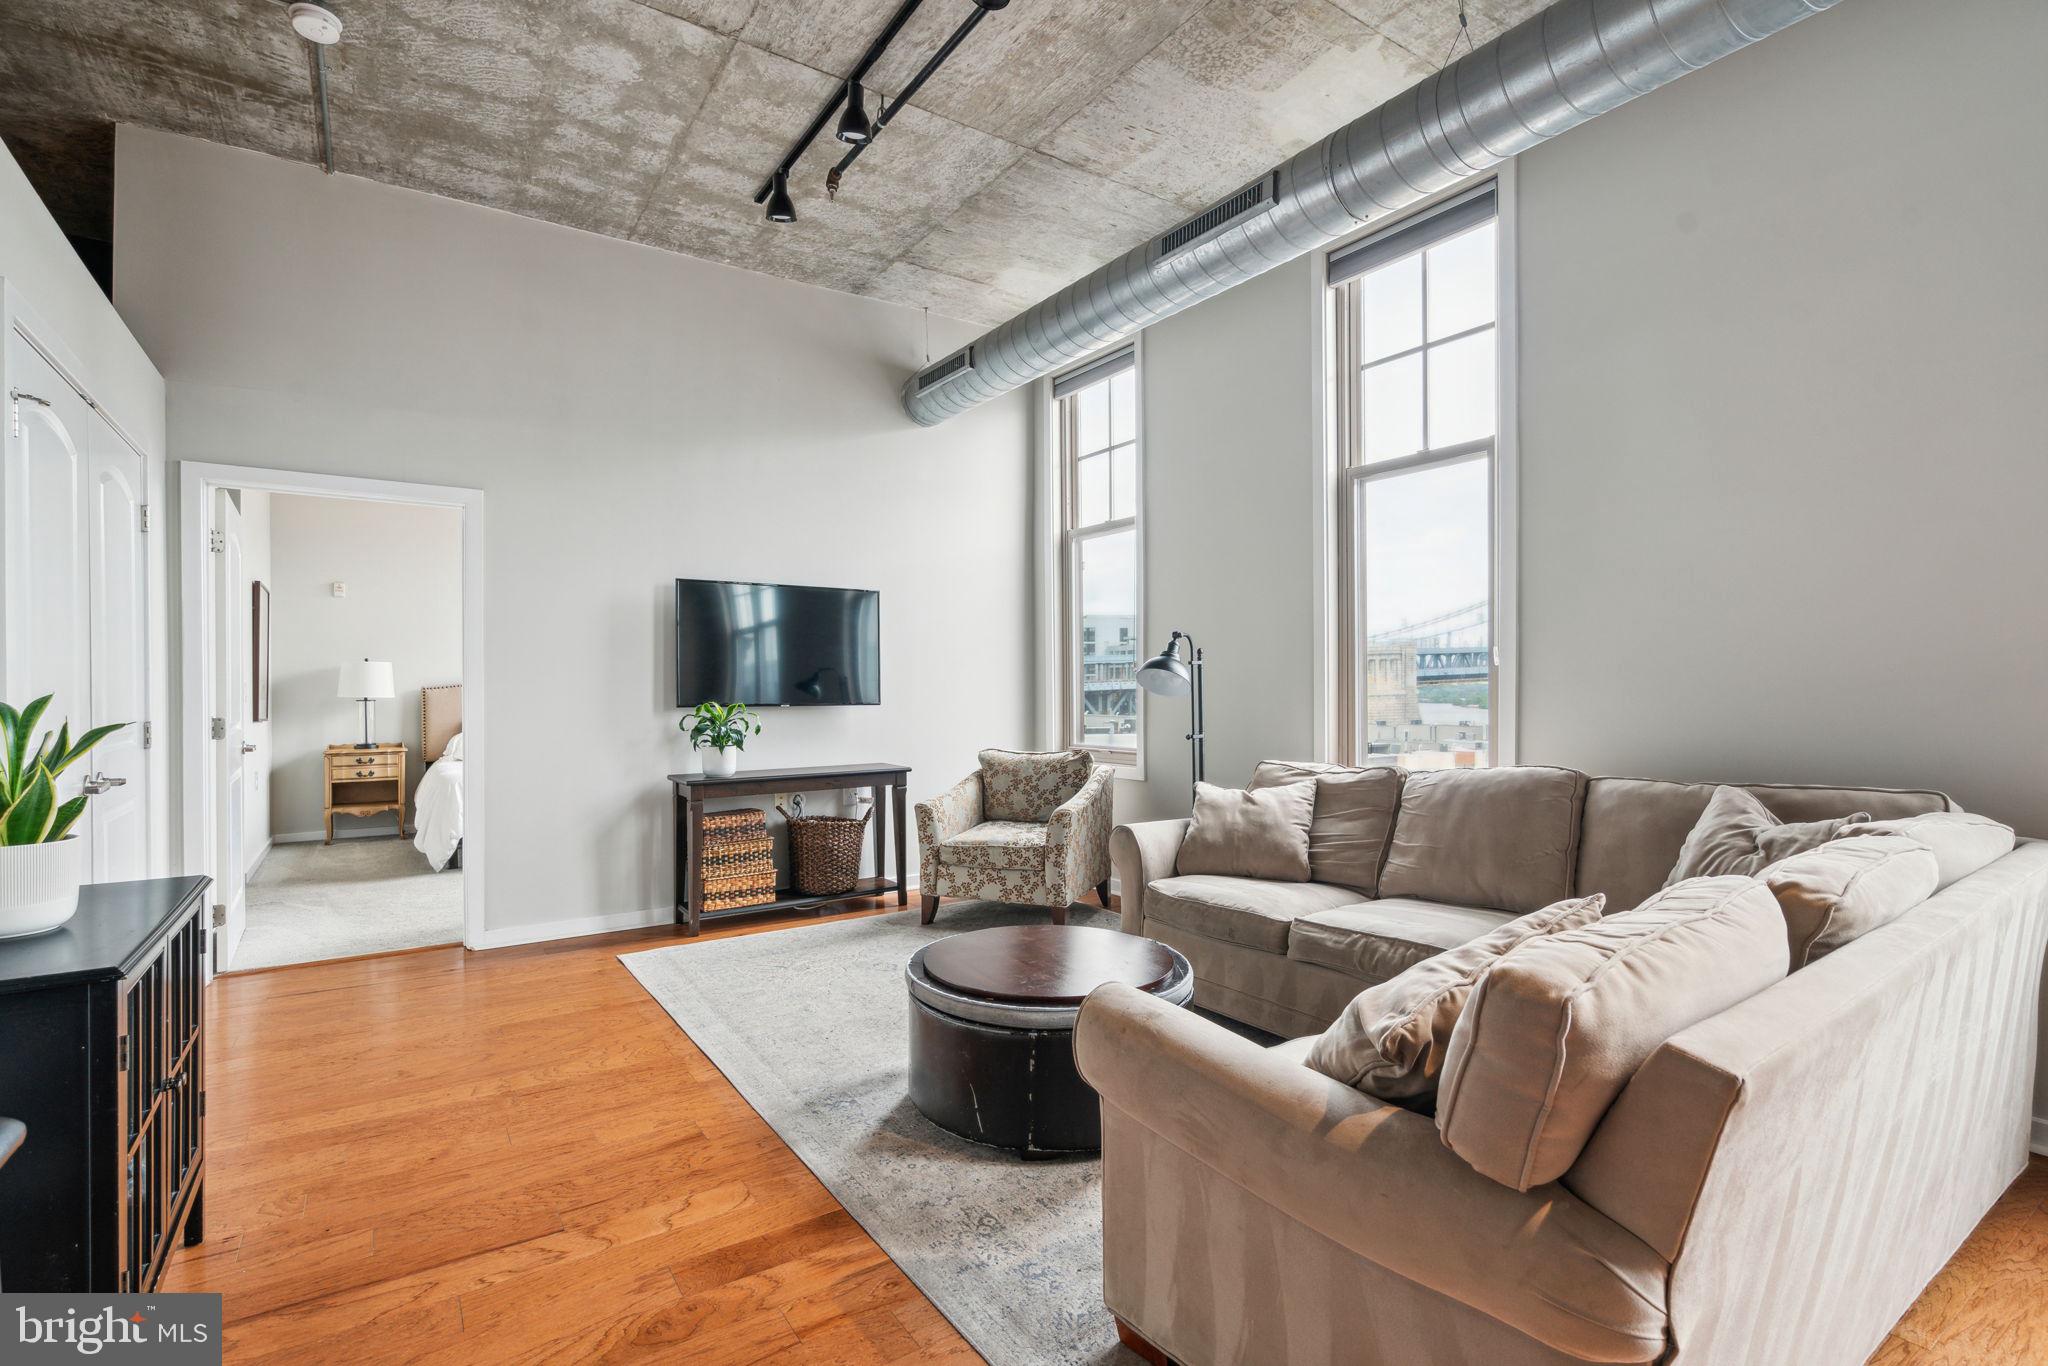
[811, 1025]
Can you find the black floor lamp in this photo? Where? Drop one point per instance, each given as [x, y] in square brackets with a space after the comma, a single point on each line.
[1176, 671]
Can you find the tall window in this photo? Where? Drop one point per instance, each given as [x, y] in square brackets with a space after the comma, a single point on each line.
[1417, 407]
[1095, 412]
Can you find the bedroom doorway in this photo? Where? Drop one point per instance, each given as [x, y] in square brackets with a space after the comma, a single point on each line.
[331, 708]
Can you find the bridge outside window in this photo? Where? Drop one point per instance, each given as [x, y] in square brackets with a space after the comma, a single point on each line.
[1416, 400]
[1095, 413]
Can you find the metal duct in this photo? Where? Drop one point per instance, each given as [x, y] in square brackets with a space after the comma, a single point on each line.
[1550, 73]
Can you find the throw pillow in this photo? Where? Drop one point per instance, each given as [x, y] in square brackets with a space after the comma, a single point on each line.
[1390, 1041]
[1503, 838]
[1847, 888]
[1738, 836]
[1555, 1029]
[1262, 834]
[1962, 843]
[1020, 786]
[1347, 839]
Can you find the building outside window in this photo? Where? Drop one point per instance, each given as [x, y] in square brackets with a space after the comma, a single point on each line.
[1417, 400]
[1095, 415]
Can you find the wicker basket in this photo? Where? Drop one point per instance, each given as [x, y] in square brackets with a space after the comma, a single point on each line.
[738, 865]
[824, 852]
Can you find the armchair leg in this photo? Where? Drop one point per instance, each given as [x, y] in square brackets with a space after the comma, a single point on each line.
[1059, 915]
[1102, 893]
[927, 908]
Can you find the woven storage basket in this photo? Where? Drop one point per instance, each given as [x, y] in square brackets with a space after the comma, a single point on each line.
[824, 852]
[738, 867]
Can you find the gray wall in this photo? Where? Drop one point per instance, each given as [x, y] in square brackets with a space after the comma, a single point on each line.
[402, 565]
[631, 416]
[1782, 463]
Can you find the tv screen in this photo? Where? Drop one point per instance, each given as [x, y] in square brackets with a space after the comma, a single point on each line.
[777, 645]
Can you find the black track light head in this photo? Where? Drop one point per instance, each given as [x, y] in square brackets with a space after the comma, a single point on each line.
[854, 126]
[780, 209]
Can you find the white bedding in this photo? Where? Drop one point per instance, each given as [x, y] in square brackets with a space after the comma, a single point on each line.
[438, 809]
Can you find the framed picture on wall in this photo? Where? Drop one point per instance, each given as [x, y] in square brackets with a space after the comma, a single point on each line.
[259, 652]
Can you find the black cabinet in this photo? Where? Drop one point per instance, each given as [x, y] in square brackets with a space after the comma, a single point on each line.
[102, 1056]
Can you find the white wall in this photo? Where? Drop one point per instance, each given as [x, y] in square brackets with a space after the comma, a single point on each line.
[37, 261]
[256, 771]
[631, 416]
[1782, 462]
[402, 568]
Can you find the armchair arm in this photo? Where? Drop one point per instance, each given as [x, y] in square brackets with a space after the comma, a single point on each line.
[953, 812]
[1077, 836]
[1142, 854]
[1370, 1177]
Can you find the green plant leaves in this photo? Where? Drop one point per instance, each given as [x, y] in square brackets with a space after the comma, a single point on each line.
[722, 725]
[27, 820]
[66, 817]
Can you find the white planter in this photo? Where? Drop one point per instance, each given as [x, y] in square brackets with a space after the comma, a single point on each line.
[39, 885]
[719, 763]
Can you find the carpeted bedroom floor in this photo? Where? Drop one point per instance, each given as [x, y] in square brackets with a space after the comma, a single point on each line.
[310, 902]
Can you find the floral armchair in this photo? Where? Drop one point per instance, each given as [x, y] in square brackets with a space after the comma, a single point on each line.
[1029, 829]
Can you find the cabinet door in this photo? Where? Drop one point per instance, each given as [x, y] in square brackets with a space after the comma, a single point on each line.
[115, 485]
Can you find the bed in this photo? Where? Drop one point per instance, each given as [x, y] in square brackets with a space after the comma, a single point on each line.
[437, 805]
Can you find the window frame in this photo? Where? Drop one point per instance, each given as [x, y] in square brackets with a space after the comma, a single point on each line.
[1340, 680]
[1063, 629]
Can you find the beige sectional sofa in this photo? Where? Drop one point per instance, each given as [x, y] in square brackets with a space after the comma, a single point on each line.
[1775, 1184]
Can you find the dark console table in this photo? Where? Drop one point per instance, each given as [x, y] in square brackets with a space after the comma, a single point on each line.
[693, 790]
[102, 1058]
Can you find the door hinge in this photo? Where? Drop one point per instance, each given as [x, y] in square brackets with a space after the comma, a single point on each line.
[220, 915]
[121, 1055]
[144, 525]
[219, 729]
[148, 734]
[217, 541]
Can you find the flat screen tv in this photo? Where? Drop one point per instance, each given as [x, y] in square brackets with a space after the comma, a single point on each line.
[777, 644]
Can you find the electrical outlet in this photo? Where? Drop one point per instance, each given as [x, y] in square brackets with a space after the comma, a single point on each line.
[340, 589]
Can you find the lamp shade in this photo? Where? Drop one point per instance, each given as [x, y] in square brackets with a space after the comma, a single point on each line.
[361, 678]
[1167, 674]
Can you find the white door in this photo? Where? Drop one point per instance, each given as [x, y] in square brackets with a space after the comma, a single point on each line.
[44, 501]
[119, 585]
[231, 624]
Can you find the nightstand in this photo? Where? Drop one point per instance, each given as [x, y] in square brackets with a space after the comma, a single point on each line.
[364, 782]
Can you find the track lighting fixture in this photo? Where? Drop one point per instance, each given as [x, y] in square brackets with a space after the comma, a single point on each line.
[853, 120]
[780, 210]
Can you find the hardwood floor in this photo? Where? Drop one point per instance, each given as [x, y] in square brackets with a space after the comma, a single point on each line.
[441, 1156]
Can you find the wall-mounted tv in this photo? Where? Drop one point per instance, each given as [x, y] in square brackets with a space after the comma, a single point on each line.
[777, 644]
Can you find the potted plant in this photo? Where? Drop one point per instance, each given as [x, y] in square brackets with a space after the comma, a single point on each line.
[42, 864]
[719, 731]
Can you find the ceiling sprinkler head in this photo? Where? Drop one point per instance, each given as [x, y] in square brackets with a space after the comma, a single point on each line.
[315, 23]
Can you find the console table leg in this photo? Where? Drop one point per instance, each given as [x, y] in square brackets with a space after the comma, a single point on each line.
[694, 886]
[681, 852]
[902, 847]
[881, 831]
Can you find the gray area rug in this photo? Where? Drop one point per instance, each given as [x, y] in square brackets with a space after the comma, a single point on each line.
[811, 1024]
[309, 902]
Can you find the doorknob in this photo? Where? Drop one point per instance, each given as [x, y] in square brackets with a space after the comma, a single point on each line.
[248, 749]
[100, 782]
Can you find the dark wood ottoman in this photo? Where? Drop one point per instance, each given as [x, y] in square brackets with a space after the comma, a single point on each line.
[992, 1029]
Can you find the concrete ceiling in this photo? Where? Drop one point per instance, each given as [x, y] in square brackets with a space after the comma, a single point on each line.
[1061, 134]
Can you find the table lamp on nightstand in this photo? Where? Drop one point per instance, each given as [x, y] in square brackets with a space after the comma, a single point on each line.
[365, 681]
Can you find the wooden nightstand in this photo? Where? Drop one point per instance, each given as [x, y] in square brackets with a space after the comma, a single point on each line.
[364, 782]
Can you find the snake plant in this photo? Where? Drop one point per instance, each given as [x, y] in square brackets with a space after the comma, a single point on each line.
[721, 725]
[29, 810]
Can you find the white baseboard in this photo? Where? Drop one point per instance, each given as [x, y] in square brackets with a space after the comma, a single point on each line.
[2040, 1143]
[257, 862]
[509, 936]
[316, 836]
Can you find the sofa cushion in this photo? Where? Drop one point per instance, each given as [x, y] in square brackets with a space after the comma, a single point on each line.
[1633, 828]
[1390, 1041]
[1245, 833]
[1738, 836]
[1505, 838]
[1240, 910]
[1355, 807]
[1377, 940]
[1555, 1029]
[996, 845]
[1021, 786]
[1843, 890]
[1961, 843]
